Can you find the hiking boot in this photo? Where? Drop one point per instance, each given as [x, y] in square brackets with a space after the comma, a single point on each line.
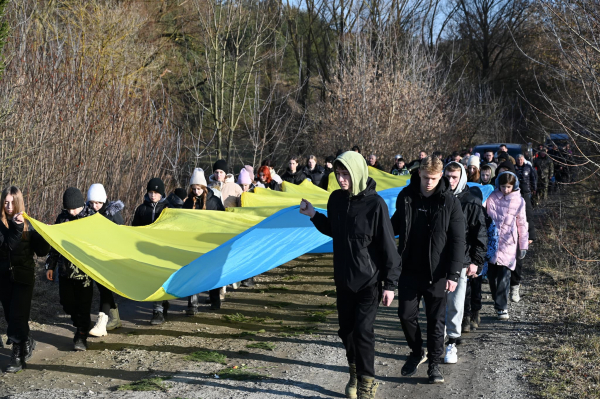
[16, 360]
[466, 325]
[434, 374]
[502, 314]
[475, 320]
[412, 363]
[99, 330]
[114, 321]
[30, 345]
[157, 318]
[514, 294]
[367, 388]
[451, 356]
[80, 342]
[352, 385]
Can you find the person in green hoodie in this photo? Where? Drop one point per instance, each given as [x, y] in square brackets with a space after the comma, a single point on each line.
[366, 264]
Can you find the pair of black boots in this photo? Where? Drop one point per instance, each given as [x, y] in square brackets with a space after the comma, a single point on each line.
[21, 353]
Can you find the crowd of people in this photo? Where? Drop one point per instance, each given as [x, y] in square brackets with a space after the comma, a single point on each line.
[450, 241]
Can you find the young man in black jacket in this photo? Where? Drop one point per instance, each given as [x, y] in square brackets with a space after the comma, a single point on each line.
[431, 228]
[476, 249]
[364, 257]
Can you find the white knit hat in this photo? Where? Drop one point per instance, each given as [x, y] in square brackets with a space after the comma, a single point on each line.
[198, 177]
[474, 161]
[96, 193]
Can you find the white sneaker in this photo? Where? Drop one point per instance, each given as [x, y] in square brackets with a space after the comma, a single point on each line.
[99, 329]
[451, 354]
[502, 315]
[514, 294]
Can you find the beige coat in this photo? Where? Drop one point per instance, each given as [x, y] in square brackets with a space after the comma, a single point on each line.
[230, 192]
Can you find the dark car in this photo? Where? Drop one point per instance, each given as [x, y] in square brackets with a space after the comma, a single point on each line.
[513, 149]
[558, 139]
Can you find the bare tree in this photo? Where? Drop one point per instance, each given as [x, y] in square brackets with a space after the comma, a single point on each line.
[490, 29]
[234, 39]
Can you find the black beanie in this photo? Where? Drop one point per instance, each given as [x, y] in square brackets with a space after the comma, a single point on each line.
[506, 164]
[181, 193]
[72, 198]
[156, 184]
[220, 165]
[330, 159]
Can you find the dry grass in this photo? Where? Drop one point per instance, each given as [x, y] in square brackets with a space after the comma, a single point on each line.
[567, 265]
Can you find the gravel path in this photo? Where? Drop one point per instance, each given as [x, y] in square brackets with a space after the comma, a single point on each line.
[307, 360]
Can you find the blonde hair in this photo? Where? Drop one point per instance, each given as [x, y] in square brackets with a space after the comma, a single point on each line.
[18, 203]
[431, 165]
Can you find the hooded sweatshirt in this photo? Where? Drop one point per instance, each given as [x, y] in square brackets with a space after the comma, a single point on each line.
[475, 225]
[364, 249]
[509, 215]
[358, 169]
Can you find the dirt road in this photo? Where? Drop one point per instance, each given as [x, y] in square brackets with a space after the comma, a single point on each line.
[281, 335]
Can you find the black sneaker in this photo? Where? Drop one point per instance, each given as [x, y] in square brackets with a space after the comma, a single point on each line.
[157, 318]
[29, 348]
[16, 360]
[248, 283]
[435, 375]
[412, 363]
[191, 310]
[80, 342]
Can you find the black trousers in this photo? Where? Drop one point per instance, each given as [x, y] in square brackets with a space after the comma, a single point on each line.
[499, 277]
[16, 302]
[529, 214]
[473, 296]
[410, 291]
[76, 300]
[107, 301]
[356, 316]
[515, 275]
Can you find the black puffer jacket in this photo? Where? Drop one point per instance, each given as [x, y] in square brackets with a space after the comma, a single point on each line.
[476, 229]
[112, 211]
[364, 250]
[149, 211]
[527, 178]
[273, 185]
[314, 175]
[446, 232]
[174, 201]
[213, 203]
[17, 251]
[324, 184]
[295, 178]
[55, 260]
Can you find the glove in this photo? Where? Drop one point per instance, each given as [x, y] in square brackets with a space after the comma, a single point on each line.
[522, 254]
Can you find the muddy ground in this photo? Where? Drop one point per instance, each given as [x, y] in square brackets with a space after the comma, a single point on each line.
[290, 317]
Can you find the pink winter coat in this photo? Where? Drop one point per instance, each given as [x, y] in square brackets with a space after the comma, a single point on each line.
[508, 212]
